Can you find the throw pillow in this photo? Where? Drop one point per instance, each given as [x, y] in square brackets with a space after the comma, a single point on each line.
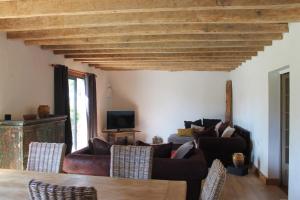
[228, 132]
[184, 151]
[160, 150]
[218, 125]
[207, 123]
[101, 147]
[197, 128]
[223, 127]
[188, 124]
[185, 132]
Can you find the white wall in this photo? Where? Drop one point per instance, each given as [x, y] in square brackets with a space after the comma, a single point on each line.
[27, 80]
[251, 103]
[163, 100]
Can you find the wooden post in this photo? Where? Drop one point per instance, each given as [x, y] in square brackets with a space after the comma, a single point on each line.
[228, 114]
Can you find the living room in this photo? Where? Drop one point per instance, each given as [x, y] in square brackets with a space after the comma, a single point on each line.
[163, 97]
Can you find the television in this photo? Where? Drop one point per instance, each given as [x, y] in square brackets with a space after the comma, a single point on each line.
[120, 120]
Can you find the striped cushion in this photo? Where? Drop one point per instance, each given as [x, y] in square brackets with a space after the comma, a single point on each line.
[214, 182]
[131, 162]
[46, 157]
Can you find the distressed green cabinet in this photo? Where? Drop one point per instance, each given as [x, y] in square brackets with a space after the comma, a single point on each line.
[15, 137]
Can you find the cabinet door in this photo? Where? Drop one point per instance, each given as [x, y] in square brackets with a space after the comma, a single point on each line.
[10, 148]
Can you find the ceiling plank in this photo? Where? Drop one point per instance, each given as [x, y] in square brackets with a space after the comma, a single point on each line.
[158, 38]
[27, 8]
[151, 45]
[149, 30]
[150, 55]
[169, 50]
[139, 18]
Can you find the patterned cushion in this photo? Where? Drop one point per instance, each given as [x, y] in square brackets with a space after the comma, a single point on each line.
[214, 182]
[131, 162]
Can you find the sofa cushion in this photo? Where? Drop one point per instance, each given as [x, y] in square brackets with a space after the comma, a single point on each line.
[101, 147]
[185, 132]
[206, 133]
[197, 128]
[160, 150]
[222, 128]
[228, 132]
[184, 151]
[188, 124]
[207, 123]
[217, 126]
[175, 139]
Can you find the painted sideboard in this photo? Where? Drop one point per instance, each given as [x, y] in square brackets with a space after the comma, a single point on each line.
[15, 137]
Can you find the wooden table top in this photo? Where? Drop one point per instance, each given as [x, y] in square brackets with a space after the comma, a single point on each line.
[14, 185]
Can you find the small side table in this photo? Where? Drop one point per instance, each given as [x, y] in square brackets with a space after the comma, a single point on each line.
[239, 171]
[112, 135]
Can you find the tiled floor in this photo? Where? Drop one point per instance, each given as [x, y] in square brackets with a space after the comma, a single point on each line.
[250, 188]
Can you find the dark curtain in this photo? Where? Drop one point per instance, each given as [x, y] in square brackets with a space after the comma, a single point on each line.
[61, 101]
[91, 93]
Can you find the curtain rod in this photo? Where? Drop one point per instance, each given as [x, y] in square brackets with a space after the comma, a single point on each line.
[73, 71]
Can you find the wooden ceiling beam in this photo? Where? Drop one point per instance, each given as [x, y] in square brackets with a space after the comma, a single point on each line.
[153, 62]
[29, 8]
[158, 38]
[163, 68]
[174, 65]
[174, 17]
[170, 69]
[165, 45]
[160, 29]
[164, 59]
[155, 55]
[169, 50]
[186, 63]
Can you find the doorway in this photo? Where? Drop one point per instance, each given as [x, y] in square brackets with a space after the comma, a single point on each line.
[285, 128]
[78, 112]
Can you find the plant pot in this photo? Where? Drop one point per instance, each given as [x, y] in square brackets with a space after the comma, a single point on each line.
[43, 111]
[238, 160]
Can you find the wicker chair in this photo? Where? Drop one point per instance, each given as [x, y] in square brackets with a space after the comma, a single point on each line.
[43, 191]
[133, 162]
[214, 182]
[46, 157]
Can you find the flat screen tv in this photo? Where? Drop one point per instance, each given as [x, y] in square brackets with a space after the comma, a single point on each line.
[120, 119]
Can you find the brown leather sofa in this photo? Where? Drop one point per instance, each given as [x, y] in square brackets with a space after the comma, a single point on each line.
[192, 170]
[223, 148]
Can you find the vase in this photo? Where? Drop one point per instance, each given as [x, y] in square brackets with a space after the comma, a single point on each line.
[43, 111]
[238, 159]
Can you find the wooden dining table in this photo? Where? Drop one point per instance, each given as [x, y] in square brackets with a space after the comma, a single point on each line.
[14, 186]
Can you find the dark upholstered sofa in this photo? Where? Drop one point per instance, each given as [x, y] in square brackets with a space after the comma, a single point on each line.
[191, 170]
[223, 148]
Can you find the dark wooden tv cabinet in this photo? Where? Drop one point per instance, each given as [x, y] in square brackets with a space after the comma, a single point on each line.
[113, 135]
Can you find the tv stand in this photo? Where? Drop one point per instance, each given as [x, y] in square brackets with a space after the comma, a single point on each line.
[114, 134]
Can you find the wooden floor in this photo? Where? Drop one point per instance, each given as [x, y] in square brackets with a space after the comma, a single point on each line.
[250, 188]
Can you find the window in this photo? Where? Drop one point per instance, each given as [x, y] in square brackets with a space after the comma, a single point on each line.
[78, 111]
